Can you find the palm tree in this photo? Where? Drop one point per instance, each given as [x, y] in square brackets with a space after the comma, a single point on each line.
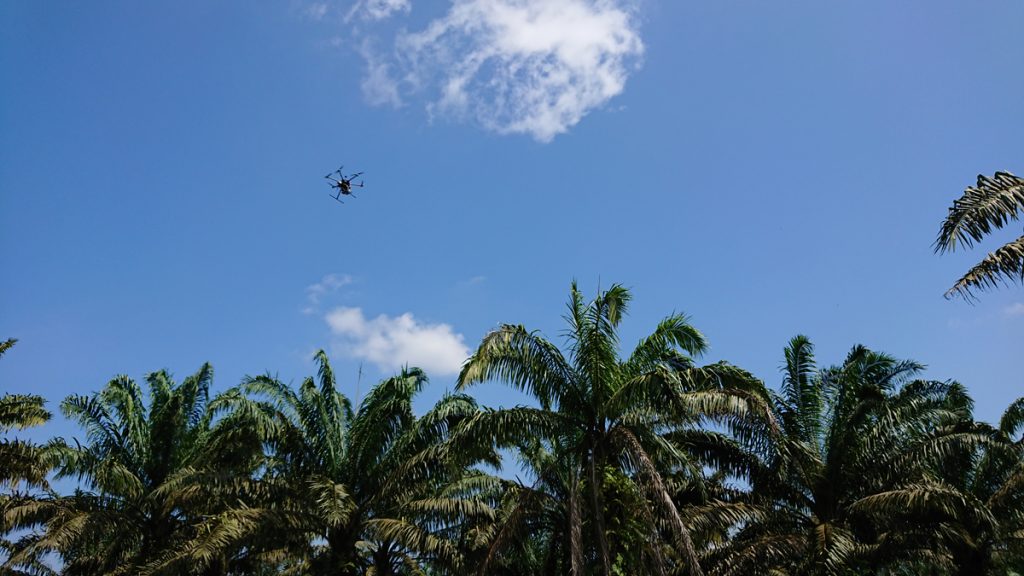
[604, 429]
[999, 482]
[990, 205]
[371, 491]
[22, 463]
[852, 474]
[993, 475]
[129, 513]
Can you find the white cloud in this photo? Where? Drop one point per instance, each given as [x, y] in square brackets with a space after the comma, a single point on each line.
[316, 10]
[327, 285]
[378, 9]
[393, 342]
[533, 67]
[379, 87]
[1015, 309]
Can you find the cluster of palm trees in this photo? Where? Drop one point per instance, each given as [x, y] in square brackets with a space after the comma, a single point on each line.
[646, 464]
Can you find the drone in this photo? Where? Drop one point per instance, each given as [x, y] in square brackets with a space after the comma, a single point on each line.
[343, 184]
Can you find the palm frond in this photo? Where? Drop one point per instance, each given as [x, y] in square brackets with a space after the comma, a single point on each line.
[20, 411]
[523, 359]
[1012, 421]
[989, 205]
[1002, 266]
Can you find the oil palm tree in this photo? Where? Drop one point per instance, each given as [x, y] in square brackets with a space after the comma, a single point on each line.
[20, 461]
[367, 491]
[991, 474]
[124, 519]
[602, 420]
[999, 482]
[851, 474]
[990, 205]
[23, 465]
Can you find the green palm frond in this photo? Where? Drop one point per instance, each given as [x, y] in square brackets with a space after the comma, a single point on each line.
[21, 461]
[1012, 421]
[802, 393]
[523, 359]
[20, 411]
[925, 499]
[1004, 265]
[6, 345]
[991, 204]
[673, 332]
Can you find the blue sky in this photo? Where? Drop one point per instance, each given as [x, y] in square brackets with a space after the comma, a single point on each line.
[767, 168]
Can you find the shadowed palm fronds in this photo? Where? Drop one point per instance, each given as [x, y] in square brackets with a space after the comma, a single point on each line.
[990, 205]
[852, 482]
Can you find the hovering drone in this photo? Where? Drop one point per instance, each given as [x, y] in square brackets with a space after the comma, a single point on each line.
[343, 184]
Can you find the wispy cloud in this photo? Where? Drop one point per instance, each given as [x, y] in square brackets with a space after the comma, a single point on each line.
[378, 9]
[534, 67]
[314, 10]
[392, 342]
[379, 85]
[1015, 309]
[328, 284]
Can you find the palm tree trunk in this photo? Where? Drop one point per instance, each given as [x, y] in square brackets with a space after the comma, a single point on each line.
[595, 501]
[575, 530]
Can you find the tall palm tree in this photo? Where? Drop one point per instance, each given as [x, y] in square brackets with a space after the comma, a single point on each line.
[124, 519]
[20, 461]
[605, 423]
[23, 465]
[367, 491]
[851, 473]
[991, 204]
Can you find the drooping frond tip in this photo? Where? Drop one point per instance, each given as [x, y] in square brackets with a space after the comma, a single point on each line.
[988, 206]
[1004, 266]
[7, 344]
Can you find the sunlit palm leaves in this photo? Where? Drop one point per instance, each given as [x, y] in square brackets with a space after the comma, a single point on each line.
[645, 465]
[131, 510]
[372, 490]
[20, 461]
[23, 466]
[990, 205]
[600, 416]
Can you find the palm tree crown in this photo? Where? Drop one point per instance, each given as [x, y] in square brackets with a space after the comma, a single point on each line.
[20, 460]
[131, 513]
[853, 472]
[603, 420]
[367, 489]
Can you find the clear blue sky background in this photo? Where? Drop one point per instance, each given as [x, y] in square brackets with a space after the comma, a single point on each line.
[769, 168]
